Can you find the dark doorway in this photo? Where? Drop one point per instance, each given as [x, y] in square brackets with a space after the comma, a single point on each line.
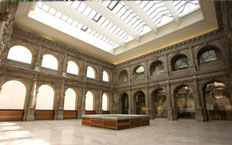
[124, 104]
[140, 102]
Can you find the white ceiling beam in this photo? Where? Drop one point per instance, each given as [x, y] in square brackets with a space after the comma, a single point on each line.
[108, 14]
[142, 15]
[81, 18]
[172, 10]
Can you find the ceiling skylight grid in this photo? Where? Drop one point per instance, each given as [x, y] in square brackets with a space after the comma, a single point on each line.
[157, 11]
[74, 23]
[126, 14]
[185, 7]
[96, 17]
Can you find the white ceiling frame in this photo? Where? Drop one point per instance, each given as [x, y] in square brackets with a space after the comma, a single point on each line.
[81, 18]
[108, 14]
[172, 10]
[142, 15]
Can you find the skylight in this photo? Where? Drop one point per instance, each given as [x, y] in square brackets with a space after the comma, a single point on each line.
[122, 23]
[122, 11]
[157, 11]
[75, 24]
[185, 7]
[96, 17]
[63, 23]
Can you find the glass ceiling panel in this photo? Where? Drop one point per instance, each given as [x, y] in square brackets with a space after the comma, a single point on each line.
[96, 17]
[157, 11]
[75, 24]
[126, 14]
[184, 8]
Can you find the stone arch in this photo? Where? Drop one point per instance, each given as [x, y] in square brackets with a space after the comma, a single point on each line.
[109, 75]
[46, 112]
[58, 60]
[92, 109]
[91, 68]
[184, 102]
[217, 100]
[71, 113]
[9, 103]
[179, 66]
[124, 103]
[139, 72]
[78, 66]
[153, 67]
[107, 101]
[159, 103]
[19, 56]
[123, 76]
[139, 100]
[215, 49]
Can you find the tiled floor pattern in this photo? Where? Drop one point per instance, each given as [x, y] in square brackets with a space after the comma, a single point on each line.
[160, 132]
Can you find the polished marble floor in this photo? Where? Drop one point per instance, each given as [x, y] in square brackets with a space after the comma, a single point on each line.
[160, 132]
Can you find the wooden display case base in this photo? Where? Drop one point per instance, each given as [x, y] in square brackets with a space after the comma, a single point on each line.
[115, 123]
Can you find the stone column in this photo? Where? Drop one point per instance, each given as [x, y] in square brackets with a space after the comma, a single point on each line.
[99, 102]
[79, 104]
[83, 101]
[147, 100]
[60, 102]
[169, 102]
[130, 103]
[64, 66]
[31, 107]
[38, 60]
[2, 24]
[117, 103]
[198, 107]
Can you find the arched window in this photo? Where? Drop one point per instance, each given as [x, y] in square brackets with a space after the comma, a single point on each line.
[45, 98]
[89, 101]
[72, 68]
[218, 101]
[105, 102]
[208, 54]
[139, 72]
[156, 68]
[50, 61]
[70, 100]
[91, 73]
[12, 95]
[20, 53]
[180, 62]
[123, 76]
[106, 76]
[185, 102]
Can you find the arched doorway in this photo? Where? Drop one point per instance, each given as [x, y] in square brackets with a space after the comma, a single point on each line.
[70, 104]
[159, 103]
[45, 103]
[124, 103]
[12, 98]
[218, 101]
[90, 103]
[139, 99]
[105, 104]
[185, 105]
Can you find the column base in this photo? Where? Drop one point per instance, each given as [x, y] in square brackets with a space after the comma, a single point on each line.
[170, 115]
[59, 114]
[29, 115]
[199, 115]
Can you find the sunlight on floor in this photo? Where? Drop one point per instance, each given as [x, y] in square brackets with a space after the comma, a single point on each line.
[12, 134]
